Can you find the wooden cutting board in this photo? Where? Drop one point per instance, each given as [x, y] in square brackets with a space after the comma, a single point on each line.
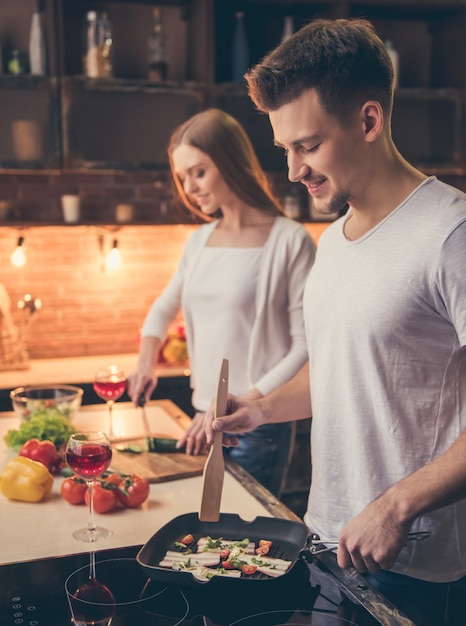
[155, 467]
[165, 420]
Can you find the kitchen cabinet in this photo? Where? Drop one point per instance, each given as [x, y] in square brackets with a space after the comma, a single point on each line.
[29, 122]
[429, 112]
[29, 105]
[123, 124]
[120, 123]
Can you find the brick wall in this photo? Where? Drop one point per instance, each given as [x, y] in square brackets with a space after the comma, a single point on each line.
[86, 309]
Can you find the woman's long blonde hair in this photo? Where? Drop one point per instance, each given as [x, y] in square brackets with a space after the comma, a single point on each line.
[225, 141]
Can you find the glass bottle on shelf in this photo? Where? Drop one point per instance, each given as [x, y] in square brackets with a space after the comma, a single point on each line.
[37, 46]
[157, 49]
[240, 53]
[98, 43]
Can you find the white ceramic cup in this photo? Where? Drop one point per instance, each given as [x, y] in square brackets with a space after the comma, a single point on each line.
[71, 208]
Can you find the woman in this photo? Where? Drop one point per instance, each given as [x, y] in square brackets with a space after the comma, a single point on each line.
[239, 284]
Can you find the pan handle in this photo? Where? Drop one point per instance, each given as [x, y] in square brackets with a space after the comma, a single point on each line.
[306, 553]
[315, 545]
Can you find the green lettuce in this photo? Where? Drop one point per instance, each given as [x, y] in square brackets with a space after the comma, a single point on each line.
[45, 423]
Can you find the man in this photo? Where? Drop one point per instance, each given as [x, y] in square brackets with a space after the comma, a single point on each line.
[385, 311]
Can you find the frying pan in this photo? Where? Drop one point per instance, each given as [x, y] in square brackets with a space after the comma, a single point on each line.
[290, 541]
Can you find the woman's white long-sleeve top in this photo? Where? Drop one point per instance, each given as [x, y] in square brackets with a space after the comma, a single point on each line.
[278, 345]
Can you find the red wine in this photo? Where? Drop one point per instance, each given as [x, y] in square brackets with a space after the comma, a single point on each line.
[93, 603]
[89, 460]
[110, 390]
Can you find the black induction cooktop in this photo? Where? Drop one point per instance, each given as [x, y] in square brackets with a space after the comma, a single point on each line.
[58, 591]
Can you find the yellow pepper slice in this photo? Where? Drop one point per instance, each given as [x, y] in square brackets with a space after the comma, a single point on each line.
[25, 479]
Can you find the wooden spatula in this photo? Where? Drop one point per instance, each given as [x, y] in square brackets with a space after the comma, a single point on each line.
[214, 469]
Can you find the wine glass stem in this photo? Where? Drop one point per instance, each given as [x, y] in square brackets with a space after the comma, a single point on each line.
[92, 575]
[91, 523]
[110, 418]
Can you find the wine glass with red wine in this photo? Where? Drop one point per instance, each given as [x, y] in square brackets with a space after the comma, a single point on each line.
[110, 384]
[88, 455]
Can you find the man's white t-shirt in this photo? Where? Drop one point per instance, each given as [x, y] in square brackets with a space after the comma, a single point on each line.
[386, 329]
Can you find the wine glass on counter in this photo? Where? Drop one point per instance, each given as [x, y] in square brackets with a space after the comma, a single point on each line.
[110, 384]
[89, 454]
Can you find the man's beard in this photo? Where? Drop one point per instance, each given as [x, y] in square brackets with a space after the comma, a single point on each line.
[338, 204]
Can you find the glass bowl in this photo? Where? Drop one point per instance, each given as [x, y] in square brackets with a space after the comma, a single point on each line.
[46, 399]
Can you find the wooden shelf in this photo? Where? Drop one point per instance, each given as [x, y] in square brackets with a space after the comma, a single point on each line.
[123, 124]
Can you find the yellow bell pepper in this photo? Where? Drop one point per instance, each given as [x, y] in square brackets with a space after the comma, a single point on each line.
[25, 479]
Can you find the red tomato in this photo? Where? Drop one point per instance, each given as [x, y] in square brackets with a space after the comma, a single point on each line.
[104, 499]
[133, 491]
[114, 478]
[187, 539]
[264, 547]
[225, 553]
[73, 490]
[248, 569]
[227, 565]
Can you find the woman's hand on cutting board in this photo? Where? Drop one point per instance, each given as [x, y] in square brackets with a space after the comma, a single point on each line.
[194, 437]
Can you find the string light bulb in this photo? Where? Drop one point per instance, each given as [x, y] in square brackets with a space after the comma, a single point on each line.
[18, 256]
[113, 260]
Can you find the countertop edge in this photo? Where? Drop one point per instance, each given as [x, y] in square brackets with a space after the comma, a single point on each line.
[75, 370]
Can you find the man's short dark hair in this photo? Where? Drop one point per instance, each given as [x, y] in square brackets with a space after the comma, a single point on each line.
[343, 60]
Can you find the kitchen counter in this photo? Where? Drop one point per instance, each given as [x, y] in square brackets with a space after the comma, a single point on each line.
[31, 531]
[173, 379]
[32, 580]
[75, 370]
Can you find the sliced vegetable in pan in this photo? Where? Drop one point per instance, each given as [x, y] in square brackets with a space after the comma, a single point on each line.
[218, 556]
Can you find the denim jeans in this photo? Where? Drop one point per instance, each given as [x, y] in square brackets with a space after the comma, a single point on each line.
[264, 453]
[425, 603]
